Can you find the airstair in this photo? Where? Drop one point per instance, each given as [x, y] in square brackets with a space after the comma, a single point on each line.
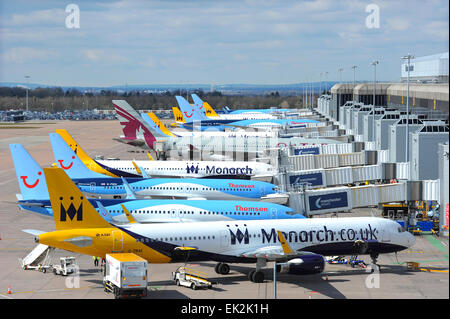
[39, 258]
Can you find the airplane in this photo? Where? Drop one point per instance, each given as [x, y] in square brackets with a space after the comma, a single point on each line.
[227, 110]
[143, 135]
[200, 106]
[159, 127]
[159, 210]
[298, 246]
[94, 183]
[264, 122]
[195, 169]
[187, 188]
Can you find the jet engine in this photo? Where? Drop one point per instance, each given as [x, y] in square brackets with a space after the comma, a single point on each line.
[303, 265]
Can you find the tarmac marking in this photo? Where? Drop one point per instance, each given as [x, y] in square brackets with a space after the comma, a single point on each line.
[54, 290]
[7, 297]
[437, 244]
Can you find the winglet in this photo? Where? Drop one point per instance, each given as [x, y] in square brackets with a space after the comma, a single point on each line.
[102, 210]
[150, 157]
[286, 248]
[130, 218]
[140, 170]
[128, 189]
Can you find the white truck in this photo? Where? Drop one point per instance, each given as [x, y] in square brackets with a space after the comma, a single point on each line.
[67, 265]
[125, 275]
[190, 278]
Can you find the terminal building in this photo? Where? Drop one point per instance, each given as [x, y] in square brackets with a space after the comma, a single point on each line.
[428, 89]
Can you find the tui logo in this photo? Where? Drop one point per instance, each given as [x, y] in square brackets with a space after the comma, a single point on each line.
[24, 179]
[71, 212]
[66, 167]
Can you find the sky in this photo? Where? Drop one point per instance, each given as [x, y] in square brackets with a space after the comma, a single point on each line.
[219, 42]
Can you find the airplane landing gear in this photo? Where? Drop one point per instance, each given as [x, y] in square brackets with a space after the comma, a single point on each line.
[374, 257]
[222, 269]
[256, 275]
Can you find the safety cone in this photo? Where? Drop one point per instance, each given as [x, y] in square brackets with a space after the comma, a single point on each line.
[9, 289]
[326, 277]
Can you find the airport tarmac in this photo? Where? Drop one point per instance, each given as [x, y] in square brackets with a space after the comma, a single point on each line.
[338, 281]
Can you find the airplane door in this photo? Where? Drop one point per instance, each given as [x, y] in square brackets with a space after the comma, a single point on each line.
[92, 186]
[117, 238]
[224, 239]
[273, 213]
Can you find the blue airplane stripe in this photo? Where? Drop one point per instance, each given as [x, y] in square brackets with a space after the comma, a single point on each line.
[168, 250]
[117, 172]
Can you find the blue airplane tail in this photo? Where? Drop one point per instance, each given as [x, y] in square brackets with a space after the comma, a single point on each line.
[198, 106]
[189, 112]
[29, 174]
[66, 159]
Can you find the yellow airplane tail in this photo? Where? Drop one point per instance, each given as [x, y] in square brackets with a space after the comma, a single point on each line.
[209, 110]
[160, 124]
[89, 162]
[71, 209]
[177, 115]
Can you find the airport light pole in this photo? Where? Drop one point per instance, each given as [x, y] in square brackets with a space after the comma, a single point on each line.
[326, 82]
[374, 63]
[354, 81]
[27, 77]
[407, 57]
[340, 82]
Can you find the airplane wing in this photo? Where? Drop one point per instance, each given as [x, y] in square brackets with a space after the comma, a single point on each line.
[275, 252]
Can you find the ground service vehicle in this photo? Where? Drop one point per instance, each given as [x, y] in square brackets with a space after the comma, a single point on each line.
[125, 275]
[190, 278]
[66, 266]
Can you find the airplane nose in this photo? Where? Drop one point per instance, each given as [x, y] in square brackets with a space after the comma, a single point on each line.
[410, 239]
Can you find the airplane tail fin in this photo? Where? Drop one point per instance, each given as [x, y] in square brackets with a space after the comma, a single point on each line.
[133, 126]
[71, 209]
[189, 112]
[177, 115]
[209, 110]
[30, 176]
[152, 124]
[86, 159]
[160, 124]
[199, 106]
[65, 158]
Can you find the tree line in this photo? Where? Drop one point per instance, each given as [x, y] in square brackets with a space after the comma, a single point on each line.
[57, 99]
